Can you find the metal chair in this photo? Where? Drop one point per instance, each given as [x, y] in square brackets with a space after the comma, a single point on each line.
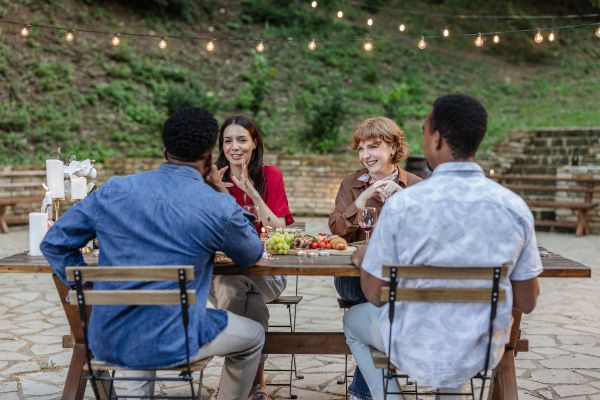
[392, 293]
[288, 301]
[83, 297]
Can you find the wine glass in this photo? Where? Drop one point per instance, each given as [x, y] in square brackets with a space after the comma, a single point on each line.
[367, 218]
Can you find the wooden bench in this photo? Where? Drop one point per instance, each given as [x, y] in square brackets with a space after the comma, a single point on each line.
[20, 188]
[542, 187]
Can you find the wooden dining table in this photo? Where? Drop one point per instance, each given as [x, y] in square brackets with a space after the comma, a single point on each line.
[503, 384]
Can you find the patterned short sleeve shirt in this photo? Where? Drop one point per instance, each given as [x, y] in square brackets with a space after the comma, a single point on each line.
[457, 217]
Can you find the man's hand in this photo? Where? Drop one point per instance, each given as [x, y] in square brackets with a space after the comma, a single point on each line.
[214, 180]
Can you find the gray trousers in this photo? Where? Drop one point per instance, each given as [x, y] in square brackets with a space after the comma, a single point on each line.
[246, 295]
[361, 327]
[241, 343]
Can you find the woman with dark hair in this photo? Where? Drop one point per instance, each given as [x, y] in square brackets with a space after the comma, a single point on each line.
[241, 167]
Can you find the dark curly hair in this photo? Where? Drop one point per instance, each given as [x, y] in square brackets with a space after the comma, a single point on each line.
[256, 160]
[462, 121]
[189, 133]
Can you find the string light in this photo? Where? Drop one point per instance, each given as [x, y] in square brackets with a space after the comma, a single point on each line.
[479, 40]
[116, 40]
[496, 39]
[162, 43]
[446, 32]
[210, 46]
[368, 46]
[402, 27]
[422, 43]
[260, 47]
[25, 31]
[538, 38]
[340, 14]
[313, 4]
[312, 45]
[370, 22]
[598, 31]
[551, 36]
[70, 36]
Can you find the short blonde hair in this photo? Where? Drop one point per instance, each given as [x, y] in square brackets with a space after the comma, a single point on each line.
[380, 129]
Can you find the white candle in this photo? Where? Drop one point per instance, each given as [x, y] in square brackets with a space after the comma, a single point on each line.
[55, 176]
[78, 188]
[38, 226]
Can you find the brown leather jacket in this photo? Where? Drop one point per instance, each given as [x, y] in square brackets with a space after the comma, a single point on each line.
[343, 221]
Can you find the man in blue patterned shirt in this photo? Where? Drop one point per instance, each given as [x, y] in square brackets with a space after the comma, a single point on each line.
[170, 216]
[457, 217]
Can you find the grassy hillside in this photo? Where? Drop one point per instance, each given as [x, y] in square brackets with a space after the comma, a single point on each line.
[96, 100]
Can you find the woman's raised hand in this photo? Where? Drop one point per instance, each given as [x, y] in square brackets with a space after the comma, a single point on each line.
[245, 183]
[371, 191]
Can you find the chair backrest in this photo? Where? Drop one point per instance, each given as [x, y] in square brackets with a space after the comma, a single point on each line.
[131, 274]
[442, 294]
[492, 295]
[84, 297]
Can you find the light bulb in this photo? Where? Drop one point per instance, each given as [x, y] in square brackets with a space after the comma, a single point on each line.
[163, 43]
[260, 47]
[368, 46]
[446, 32]
[538, 38]
[370, 22]
[70, 36]
[598, 31]
[25, 31]
[340, 14]
[313, 4]
[551, 36]
[422, 43]
[496, 39]
[312, 45]
[402, 27]
[210, 46]
[116, 40]
[479, 40]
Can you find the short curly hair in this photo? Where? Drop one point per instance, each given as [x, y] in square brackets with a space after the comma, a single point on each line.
[462, 121]
[380, 129]
[189, 133]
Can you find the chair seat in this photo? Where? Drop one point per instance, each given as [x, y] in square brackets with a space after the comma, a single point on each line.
[286, 300]
[196, 366]
[380, 359]
[345, 303]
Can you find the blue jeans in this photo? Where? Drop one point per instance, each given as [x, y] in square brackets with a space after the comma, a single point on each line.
[349, 289]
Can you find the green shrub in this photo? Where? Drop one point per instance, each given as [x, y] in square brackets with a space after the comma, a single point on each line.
[257, 79]
[190, 95]
[324, 114]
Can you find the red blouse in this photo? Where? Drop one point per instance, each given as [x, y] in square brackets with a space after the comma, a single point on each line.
[273, 195]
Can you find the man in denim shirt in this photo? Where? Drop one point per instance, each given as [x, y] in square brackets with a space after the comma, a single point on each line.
[179, 214]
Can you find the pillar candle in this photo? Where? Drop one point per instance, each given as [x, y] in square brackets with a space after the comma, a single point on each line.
[78, 188]
[38, 225]
[55, 172]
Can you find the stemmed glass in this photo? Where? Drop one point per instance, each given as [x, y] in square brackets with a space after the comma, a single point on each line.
[367, 218]
[252, 209]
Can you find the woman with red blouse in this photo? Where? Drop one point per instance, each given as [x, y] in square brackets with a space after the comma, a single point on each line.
[241, 167]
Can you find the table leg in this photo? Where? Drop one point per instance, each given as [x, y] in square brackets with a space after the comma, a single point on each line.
[76, 381]
[503, 385]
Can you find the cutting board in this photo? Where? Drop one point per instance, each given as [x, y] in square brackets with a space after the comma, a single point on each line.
[332, 252]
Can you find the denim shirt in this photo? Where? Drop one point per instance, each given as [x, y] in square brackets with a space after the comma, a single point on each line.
[168, 216]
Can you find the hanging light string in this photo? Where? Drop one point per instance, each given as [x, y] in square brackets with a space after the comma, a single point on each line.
[470, 16]
[162, 39]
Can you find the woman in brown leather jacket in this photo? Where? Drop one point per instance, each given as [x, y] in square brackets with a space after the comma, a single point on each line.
[381, 146]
